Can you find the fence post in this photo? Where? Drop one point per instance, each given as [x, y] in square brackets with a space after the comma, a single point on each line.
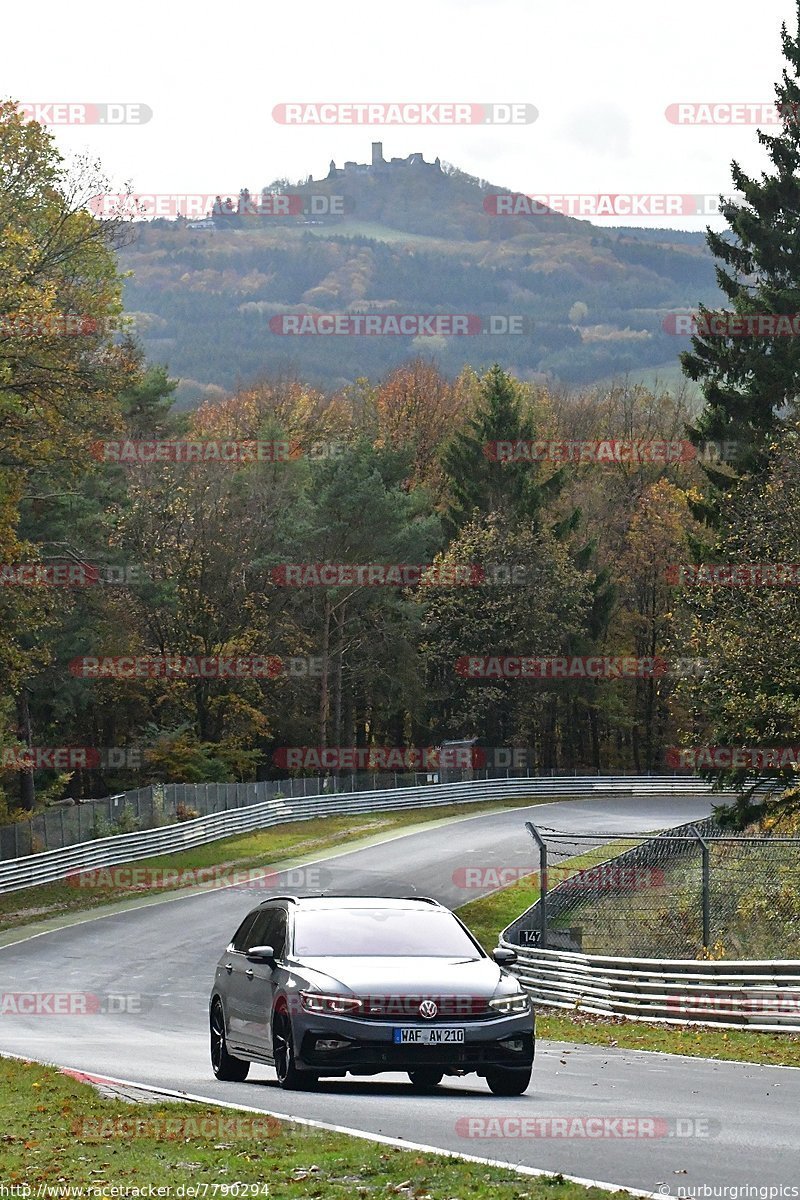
[705, 859]
[533, 831]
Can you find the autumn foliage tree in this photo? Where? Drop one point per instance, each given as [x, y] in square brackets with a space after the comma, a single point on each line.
[60, 371]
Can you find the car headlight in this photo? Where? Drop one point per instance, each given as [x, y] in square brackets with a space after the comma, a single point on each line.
[318, 1002]
[519, 1002]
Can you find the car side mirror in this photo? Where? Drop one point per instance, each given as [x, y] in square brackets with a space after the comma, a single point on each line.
[503, 955]
[261, 954]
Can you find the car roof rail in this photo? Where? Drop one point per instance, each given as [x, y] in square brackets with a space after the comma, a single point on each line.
[346, 896]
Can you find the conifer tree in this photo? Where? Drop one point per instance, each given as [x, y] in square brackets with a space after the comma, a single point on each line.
[751, 383]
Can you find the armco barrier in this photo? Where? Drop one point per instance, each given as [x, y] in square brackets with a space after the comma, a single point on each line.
[60, 825]
[758, 995]
[53, 865]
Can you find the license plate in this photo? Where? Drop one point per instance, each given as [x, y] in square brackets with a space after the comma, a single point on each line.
[427, 1037]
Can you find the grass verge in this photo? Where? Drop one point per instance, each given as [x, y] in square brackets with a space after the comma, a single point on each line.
[59, 1133]
[732, 1045]
[242, 852]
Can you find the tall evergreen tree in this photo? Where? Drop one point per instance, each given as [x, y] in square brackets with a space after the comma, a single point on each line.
[478, 485]
[751, 383]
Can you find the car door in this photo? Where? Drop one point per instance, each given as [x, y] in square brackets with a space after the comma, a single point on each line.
[269, 978]
[233, 980]
[260, 979]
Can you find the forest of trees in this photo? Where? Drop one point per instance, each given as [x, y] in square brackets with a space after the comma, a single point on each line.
[567, 560]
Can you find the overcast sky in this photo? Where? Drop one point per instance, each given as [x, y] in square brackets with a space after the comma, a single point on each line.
[600, 76]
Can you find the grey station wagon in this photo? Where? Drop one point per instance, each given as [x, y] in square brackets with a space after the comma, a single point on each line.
[358, 985]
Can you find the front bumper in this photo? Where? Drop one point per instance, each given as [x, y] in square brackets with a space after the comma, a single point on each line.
[500, 1042]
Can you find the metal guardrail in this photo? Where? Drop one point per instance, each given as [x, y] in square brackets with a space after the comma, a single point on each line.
[53, 865]
[759, 995]
[151, 807]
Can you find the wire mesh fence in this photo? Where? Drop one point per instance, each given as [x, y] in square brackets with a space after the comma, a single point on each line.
[165, 804]
[693, 891]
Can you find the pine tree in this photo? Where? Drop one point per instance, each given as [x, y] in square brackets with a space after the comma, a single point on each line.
[751, 384]
[147, 403]
[478, 485]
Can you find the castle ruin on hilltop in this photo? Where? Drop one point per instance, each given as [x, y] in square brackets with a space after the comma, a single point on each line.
[227, 214]
[379, 164]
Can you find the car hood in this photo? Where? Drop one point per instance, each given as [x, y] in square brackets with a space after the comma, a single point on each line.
[410, 976]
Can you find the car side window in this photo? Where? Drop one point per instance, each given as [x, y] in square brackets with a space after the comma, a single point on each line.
[240, 939]
[269, 930]
[279, 933]
[260, 933]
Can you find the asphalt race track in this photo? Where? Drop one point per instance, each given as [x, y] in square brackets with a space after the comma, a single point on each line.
[724, 1124]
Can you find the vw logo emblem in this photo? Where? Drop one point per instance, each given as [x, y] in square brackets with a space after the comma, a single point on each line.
[428, 1009]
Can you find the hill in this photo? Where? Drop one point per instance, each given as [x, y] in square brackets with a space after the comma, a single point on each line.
[398, 238]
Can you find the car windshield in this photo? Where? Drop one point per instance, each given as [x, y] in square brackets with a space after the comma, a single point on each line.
[380, 932]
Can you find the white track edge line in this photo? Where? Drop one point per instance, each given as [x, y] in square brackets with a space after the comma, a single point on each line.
[379, 1138]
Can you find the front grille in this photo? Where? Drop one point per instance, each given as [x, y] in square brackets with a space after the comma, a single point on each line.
[405, 1009]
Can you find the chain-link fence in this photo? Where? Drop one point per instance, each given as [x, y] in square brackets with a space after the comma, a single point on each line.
[67, 824]
[164, 804]
[693, 891]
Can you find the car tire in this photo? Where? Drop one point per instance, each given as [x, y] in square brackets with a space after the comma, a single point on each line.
[425, 1078]
[283, 1055]
[223, 1064]
[505, 1081]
